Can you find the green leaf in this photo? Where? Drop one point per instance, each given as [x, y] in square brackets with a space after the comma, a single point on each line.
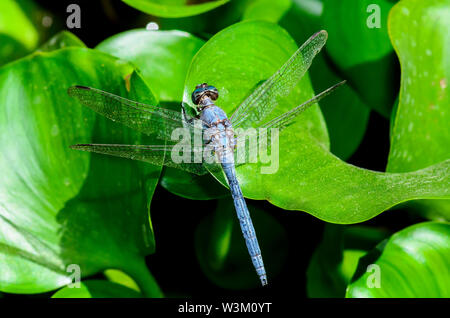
[97, 289]
[335, 260]
[59, 206]
[221, 250]
[309, 177]
[174, 8]
[414, 262]
[420, 135]
[362, 50]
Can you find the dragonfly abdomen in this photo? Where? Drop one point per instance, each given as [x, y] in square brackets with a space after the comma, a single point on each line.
[245, 222]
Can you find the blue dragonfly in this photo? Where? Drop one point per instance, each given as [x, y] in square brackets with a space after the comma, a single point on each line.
[212, 123]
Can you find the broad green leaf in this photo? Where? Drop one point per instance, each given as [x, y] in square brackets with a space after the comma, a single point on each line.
[309, 177]
[346, 115]
[164, 58]
[59, 206]
[221, 249]
[61, 40]
[359, 45]
[174, 8]
[420, 32]
[97, 289]
[414, 262]
[335, 260]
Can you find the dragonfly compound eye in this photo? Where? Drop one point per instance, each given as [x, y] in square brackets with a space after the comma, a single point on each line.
[204, 90]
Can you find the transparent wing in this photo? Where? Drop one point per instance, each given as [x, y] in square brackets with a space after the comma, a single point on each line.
[150, 120]
[262, 136]
[156, 155]
[264, 99]
[287, 118]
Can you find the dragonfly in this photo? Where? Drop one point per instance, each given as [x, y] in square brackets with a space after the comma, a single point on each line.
[211, 121]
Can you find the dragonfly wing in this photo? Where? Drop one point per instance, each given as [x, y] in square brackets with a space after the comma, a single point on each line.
[148, 119]
[287, 118]
[156, 155]
[263, 100]
[259, 139]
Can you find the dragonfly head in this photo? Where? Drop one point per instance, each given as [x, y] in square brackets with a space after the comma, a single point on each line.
[204, 90]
